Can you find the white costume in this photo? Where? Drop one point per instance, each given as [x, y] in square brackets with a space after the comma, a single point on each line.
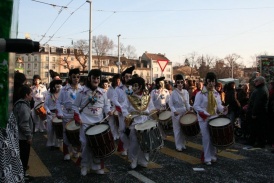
[39, 94]
[200, 105]
[135, 154]
[179, 102]
[50, 106]
[113, 127]
[119, 100]
[91, 114]
[64, 107]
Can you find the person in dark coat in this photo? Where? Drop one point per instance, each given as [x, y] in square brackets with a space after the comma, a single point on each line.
[257, 113]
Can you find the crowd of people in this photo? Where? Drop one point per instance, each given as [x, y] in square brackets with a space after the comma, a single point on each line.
[126, 103]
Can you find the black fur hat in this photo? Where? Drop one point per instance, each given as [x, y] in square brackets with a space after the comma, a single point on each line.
[53, 74]
[36, 77]
[74, 71]
[210, 76]
[138, 80]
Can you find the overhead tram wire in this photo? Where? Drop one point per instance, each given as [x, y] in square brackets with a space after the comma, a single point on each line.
[64, 23]
[60, 11]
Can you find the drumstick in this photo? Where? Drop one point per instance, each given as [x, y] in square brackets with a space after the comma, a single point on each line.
[104, 119]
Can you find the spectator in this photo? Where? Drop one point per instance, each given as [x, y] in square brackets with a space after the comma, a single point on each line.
[219, 89]
[232, 101]
[19, 81]
[251, 81]
[22, 112]
[243, 95]
[270, 126]
[257, 113]
[199, 87]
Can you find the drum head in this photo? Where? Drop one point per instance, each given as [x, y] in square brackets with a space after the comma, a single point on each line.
[71, 126]
[56, 120]
[146, 125]
[188, 119]
[164, 115]
[217, 122]
[97, 129]
[39, 105]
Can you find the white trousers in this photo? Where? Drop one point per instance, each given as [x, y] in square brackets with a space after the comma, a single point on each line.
[88, 160]
[52, 140]
[179, 137]
[209, 149]
[113, 127]
[122, 126]
[135, 153]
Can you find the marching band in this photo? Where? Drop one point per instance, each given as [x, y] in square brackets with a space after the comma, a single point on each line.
[94, 120]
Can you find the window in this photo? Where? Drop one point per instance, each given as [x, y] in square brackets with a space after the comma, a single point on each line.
[147, 73]
[53, 49]
[53, 66]
[46, 74]
[168, 69]
[65, 51]
[72, 58]
[53, 59]
[142, 74]
[168, 76]
[35, 66]
[71, 50]
[47, 66]
[29, 58]
[35, 73]
[47, 58]
[65, 67]
[29, 66]
[65, 58]
[156, 75]
[29, 72]
[112, 70]
[35, 58]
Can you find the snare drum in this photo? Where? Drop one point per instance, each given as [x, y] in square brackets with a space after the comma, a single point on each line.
[101, 141]
[221, 131]
[149, 136]
[189, 124]
[57, 125]
[72, 132]
[165, 119]
[41, 111]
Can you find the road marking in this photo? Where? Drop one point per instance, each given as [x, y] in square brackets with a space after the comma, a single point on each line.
[180, 155]
[36, 166]
[150, 165]
[200, 147]
[140, 177]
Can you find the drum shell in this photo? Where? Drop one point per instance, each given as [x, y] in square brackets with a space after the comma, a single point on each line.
[102, 144]
[150, 139]
[191, 129]
[73, 136]
[41, 111]
[167, 123]
[58, 129]
[221, 136]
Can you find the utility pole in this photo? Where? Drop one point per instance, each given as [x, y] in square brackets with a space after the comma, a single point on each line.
[48, 64]
[90, 36]
[119, 63]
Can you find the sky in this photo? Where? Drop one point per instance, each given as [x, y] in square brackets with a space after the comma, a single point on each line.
[175, 28]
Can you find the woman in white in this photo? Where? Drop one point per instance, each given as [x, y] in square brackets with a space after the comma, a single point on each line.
[64, 108]
[207, 103]
[50, 106]
[39, 93]
[179, 105]
[93, 103]
[110, 94]
[141, 104]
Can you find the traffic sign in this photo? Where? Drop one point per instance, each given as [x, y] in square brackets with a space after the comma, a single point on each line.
[162, 64]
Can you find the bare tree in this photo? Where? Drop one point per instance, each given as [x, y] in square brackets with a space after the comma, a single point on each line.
[232, 63]
[192, 59]
[130, 52]
[102, 45]
[81, 54]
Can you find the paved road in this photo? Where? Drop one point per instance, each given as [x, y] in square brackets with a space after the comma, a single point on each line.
[235, 164]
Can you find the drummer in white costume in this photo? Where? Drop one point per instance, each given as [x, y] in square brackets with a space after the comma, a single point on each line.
[93, 103]
[140, 104]
[179, 105]
[39, 93]
[64, 108]
[50, 106]
[207, 103]
[160, 97]
[110, 94]
[119, 99]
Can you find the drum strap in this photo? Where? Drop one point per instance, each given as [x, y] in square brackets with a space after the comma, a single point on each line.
[181, 95]
[81, 110]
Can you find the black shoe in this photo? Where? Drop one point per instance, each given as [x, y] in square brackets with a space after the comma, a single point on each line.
[28, 178]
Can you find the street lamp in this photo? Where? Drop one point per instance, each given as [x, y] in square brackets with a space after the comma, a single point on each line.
[90, 36]
[119, 63]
